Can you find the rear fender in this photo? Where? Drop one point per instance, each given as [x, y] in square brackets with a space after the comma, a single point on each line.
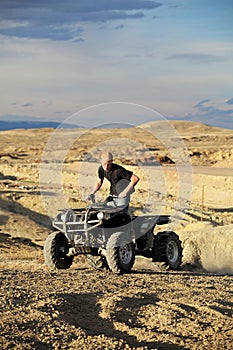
[145, 224]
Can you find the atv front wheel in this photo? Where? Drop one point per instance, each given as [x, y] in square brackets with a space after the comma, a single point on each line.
[56, 248]
[120, 253]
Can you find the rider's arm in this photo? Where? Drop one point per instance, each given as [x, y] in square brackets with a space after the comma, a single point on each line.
[97, 186]
[133, 181]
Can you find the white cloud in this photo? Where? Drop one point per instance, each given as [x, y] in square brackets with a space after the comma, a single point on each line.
[10, 24]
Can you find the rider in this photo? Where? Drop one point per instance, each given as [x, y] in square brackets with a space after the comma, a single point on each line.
[122, 181]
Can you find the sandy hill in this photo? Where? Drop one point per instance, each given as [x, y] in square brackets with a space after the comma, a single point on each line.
[186, 127]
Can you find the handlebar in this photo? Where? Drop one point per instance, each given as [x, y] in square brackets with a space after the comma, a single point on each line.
[110, 198]
[93, 203]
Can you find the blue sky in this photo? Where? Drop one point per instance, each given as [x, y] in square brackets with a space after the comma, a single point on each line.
[58, 57]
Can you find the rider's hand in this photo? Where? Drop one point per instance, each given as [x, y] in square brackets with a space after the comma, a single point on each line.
[90, 197]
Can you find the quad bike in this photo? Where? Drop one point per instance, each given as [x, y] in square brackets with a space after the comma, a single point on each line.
[110, 238]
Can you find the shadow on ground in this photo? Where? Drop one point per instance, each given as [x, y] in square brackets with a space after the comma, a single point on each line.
[83, 311]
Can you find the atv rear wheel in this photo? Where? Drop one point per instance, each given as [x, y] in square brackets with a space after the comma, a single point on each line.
[120, 253]
[97, 261]
[168, 249]
[173, 251]
[56, 248]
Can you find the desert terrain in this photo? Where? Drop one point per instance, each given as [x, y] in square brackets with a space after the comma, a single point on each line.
[186, 171]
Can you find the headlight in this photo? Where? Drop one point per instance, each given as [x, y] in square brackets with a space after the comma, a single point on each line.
[100, 215]
[63, 217]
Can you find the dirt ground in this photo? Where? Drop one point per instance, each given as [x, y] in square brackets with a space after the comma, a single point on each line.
[86, 309]
[150, 308]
